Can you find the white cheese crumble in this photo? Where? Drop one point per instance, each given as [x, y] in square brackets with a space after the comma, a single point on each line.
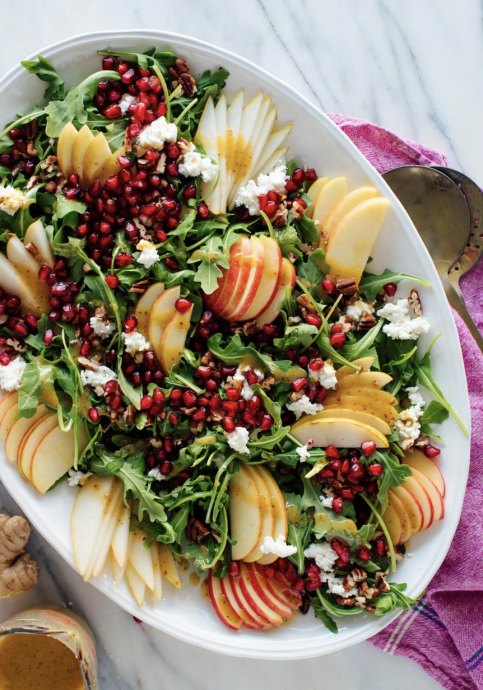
[408, 426]
[97, 378]
[11, 200]
[149, 255]
[303, 453]
[126, 101]
[77, 478]
[238, 440]
[323, 554]
[325, 376]
[416, 399]
[279, 547]
[155, 135]
[248, 195]
[401, 326]
[102, 327]
[193, 164]
[356, 310]
[155, 474]
[246, 391]
[327, 501]
[304, 406]
[11, 374]
[135, 342]
[335, 585]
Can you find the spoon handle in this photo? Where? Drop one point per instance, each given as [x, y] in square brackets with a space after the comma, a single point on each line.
[457, 303]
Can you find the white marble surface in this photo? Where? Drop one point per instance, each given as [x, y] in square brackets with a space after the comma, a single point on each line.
[414, 67]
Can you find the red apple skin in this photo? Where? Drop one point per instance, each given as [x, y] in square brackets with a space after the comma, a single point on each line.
[269, 281]
[222, 608]
[419, 492]
[227, 590]
[407, 498]
[259, 584]
[433, 492]
[236, 281]
[255, 601]
[245, 605]
[256, 259]
[283, 591]
[287, 279]
[231, 274]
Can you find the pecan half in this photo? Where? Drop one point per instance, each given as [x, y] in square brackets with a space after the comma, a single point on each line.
[381, 583]
[367, 322]
[347, 286]
[31, 129]
[196, 530]
[306, 303]
[421, 442]
[346, 601]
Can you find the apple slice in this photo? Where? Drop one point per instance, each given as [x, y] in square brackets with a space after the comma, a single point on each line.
[313, 192]
[145, 305]
[8, 420]
[207, 135]
[418, 461]
[259, 584]
[141, 559]
[37, 236]
[261, 621]
[351, 241]
[12, 282]
[255, 260]
[402, 515]
[30, 442]
[90, 507]
[225, 612]
[327, 199]
[137, 586]
[18, 430]
[117, 570]
[238, 273]
[434, 495]
[281, 590]
[229, 594]
[371, 379]
[255, 601]
[269, 280]
[54, 456]
[158, 581]
[346, 204]
[236, 258]
[120, 540]
[393, 524]
[96, 157]
[338, 412]
[111, 166]
[268, 522]
[422, 497]
[9, 400]
[64, 149]
[108, 528]
[162, 312]
[411, 506]
[81, 144]
[342, 433]
[245, 514]
[173, 340]
[286, 280]
[365, 363]
[28, 269]
[279, 512]
[168, 565]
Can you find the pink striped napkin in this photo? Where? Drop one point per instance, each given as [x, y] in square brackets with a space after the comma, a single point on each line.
[444, 632]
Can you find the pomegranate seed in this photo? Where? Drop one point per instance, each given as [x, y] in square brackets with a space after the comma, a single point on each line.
[234, 569]
[173, 418]
[332, 452]
[227, 370]
[363, 553]
[112, 111]
[310, 175]
[290, 187]
[320, 397]
[314, 320]
[130, 323]
[128, 77]
[54, 315]
[215, 402]
[182, 305]
[316, 365]
[337, 328]
[347, 494]
[159, 396]
[298, 384]
[68, 312]
[115, 402]
[44, 272]
[380, 547]
[176, 394]
[303, 360]
[266, 422]
[203, 211]
[173, 151]
[189, 398]
[72, 193]
[171, 264]
[5, 358]
[85, 348]
[204, 372]
[248, 417]
[112, 281]
[233, 394]
[189, 192]
[166, 467]
[15, 133]
[199, 415]
[328, 286]
[146, 402]
[6, 160]
[269, 571]
[283, 564]
[298, 176]
[230, 407]
[337, 340]
[255, 403]
[21, 330]
[376, 469]
[124, 162]
[251, 377]
[291, 354]
[368, 447]
[108, 63]
[431, 452]
[390, 289]
[326, 473]
[229, 424]
[93, 414]
[338, 504]
[123, 259]
[111, 387]
[48, 336]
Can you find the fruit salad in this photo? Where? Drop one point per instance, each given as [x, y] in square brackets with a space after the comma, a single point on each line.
[192, 339]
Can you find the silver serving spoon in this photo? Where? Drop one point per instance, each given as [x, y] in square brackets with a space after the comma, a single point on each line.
[438, 209]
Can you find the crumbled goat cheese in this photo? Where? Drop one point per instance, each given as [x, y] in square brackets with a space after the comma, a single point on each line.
[304, 406]
[238, 440]
[192, 164]
[126, 101]
[323, 553]
[248, 195]
[155, 474]
[356, 310]
[303, 453]
[77, 478]
[11, 200]
[416, 399]
[401, 326]
[327, 501]
[279, 547]
[408, 426]
[135, 342]
[11, 374]
[149, 255]
[325, 376]
[246, 391]
[97, 378]
[335, 585]
[155, 135]
[102, 327]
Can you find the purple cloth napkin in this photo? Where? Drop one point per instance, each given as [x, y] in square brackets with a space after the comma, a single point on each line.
[444, 632]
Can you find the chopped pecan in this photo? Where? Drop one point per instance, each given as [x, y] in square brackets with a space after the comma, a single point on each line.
[281, 217]
[15, 344]
[156, 442]
[32, 181]
[32, 249]
[292, 257]
[215, 536]
[415, 303]
[298, 210]
[361, 591]
[207, 360]
[184, 145]
[86, 269]
[381, 583]
[306, 303]
[188, 83]
[181, 66]
[140, 287]
[347, 286]
[371, 593]
[88, 363]
[294, 320]
[161, 165]
[359, 575]
[371, 609]
[360, 602]
[305, 604]
[267, 383]
[346, 323]
[99, 391]
[196, 531]
[306, 249]
[188, 411]
[367, 322]
[346, 601]
[30, 129]
[197, 427]
[349, 582]
[31, 150]
[406, 443]
[421, 442]
[129, 414]
[180, 74]
[296, 395]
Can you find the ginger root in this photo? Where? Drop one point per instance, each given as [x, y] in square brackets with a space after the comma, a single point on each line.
[18, 572]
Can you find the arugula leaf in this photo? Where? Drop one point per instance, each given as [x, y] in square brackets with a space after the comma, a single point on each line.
[34, 377]
[435, 413]
[307, 229]
[335, 609]
[356, 349]
[394, 474]
[310, 274]
[371, 284]
[272, 407]
[212, 261]
[328, 523]
[47, 72]
[386, 602]
[301, 334]
[321, 613]
[64, 206]
[319, 259]
[288, 240]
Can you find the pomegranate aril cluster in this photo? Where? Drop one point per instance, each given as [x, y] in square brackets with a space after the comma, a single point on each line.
[21, 156]
[21, 326]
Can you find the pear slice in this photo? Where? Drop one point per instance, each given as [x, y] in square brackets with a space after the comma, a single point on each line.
[141, 560]
[117, 570]
[207, 135]
[54, 456]
[28, 269]
[138, 588]
[345, 205]
[221, 120]
[79, 149]
[158, 582]
[37, 236]
[327, 199]
[64, 148]
[120, 539]
[339, 432]
[109, 526]
[111, 166]
[279, 512]
[173, 340]
[271, 162]
[162, 312]
[233, 122]
[268, 522]
[275, 140]
[168, 565]
[371, 379]
[365, 363]
[364, 417]
[12, 282]
[144, 306]
[96, 157]
[245, 144]
[246, 517]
